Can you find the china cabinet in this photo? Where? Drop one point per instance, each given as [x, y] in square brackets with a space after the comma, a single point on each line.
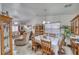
[39, 29]
[6, 35]
[75, 25]
[75, 31]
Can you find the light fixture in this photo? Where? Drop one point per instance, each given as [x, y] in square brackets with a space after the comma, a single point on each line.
[68, 5]
[48, 22]
[44, 22]
[15, 23]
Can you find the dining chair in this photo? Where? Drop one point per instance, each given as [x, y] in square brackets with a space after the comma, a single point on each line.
[46, 47]
[74, 47]
[61, 47]
[34, 45]
[78, 49]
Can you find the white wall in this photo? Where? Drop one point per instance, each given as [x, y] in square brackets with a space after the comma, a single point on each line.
[0, 7]
[0, 35]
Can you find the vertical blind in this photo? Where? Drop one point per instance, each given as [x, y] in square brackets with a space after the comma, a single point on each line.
[14, 28]
[52, 28]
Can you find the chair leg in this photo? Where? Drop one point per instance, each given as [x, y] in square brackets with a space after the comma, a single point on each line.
[32, 48]
[42, 52]
[74, 51]
[78, 50]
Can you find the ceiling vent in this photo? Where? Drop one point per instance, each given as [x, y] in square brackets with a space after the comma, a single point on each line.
[67, 5]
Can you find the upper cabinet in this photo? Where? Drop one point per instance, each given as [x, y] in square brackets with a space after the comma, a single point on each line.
[75, 25]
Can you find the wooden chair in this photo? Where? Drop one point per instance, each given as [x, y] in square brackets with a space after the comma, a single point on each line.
[78, 49]
[34, 45]
[74, 47]
[61, 49]
[46, 47]
[71, 44]
[61, 43]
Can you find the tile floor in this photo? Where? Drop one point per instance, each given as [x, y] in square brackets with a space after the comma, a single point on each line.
[27, 50]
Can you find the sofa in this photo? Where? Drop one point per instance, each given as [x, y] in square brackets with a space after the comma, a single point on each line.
[21, 40]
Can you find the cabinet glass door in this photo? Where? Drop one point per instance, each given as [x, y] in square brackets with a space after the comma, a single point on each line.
[6, 38]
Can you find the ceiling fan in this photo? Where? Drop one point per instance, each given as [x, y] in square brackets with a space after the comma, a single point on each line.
[68, 5]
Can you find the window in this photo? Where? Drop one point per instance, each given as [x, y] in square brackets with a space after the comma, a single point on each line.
[52, 28]
[14, 28]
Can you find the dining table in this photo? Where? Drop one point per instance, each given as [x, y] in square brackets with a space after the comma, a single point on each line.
[54, 41]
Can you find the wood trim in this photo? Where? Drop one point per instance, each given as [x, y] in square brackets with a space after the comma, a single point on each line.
[75, 25]
[10, 35]
[75, 18]
[2, 42]
[78, 50]
[6, 19]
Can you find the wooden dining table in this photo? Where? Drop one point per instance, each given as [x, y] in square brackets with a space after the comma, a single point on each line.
[54, 42]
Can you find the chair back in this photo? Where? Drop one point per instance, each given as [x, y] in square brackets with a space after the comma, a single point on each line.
[46, 47]
[61, 44]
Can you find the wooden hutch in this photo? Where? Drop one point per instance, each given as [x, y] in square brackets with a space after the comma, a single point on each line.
[6, 35]
[75, 31]
[39, 29]
[75, 25]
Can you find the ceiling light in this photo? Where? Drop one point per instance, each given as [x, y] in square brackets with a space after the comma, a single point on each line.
[48, 22]
[44, 22]
[15, 23]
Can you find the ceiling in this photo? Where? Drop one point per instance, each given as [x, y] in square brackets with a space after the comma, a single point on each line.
[28, 11]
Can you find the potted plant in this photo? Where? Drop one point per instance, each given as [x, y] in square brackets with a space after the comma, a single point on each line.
[67, 32]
